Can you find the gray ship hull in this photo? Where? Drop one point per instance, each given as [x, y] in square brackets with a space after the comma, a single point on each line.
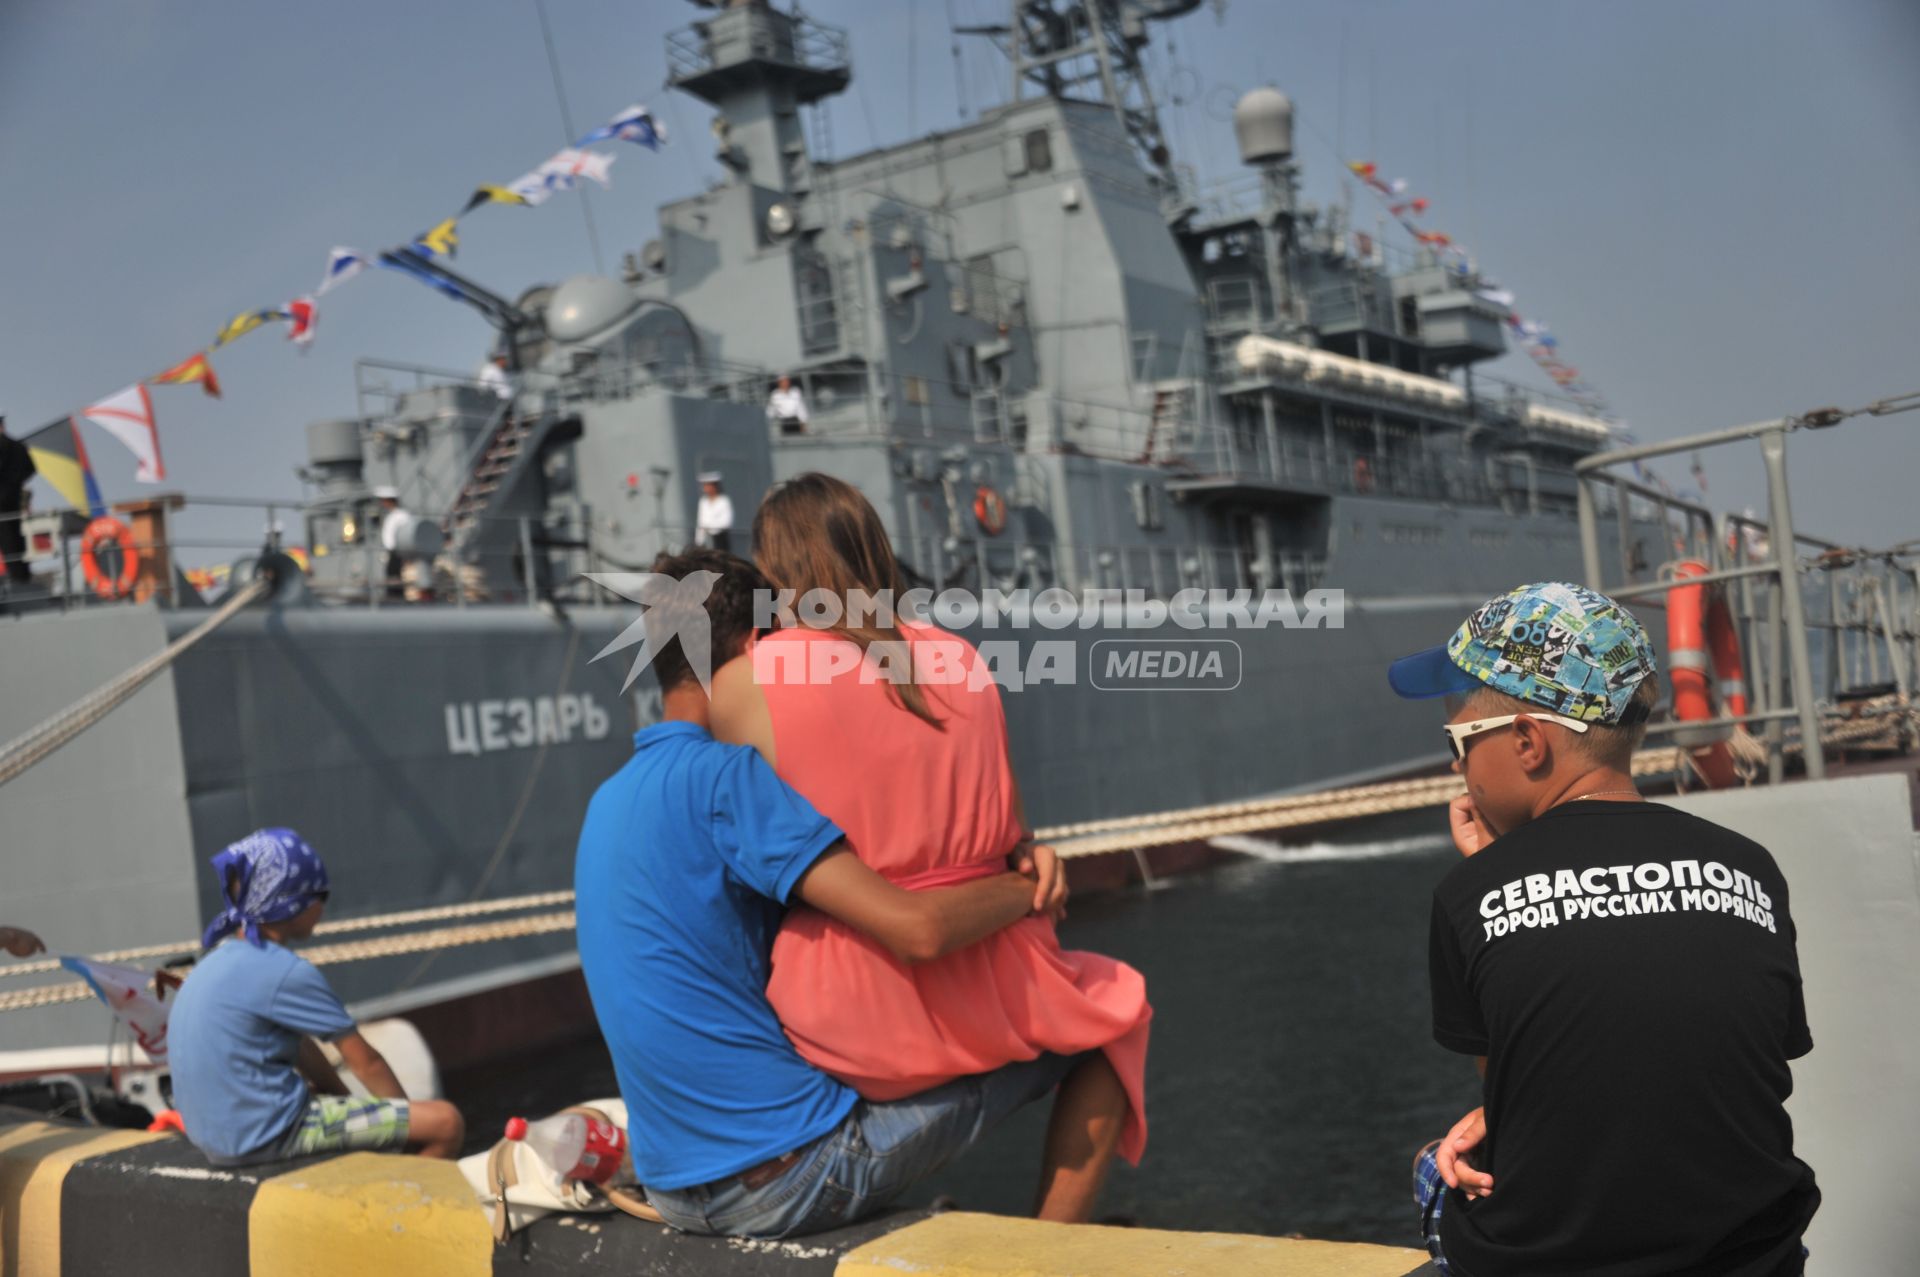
[438, 755]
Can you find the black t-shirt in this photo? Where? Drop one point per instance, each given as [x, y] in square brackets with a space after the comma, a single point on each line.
[1629, 971]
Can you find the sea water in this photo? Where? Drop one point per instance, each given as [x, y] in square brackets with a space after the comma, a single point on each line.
[1292, 1073]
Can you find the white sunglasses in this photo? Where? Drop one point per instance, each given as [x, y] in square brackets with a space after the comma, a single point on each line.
[1457, 733]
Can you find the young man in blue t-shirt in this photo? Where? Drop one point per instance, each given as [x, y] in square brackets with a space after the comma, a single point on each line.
[688, 856]
[240, 1038]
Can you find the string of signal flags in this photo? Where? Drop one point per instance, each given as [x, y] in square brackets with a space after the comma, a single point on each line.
[1535, 338]
[59, 449]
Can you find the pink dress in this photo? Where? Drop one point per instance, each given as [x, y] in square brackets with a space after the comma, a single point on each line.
[926, 808]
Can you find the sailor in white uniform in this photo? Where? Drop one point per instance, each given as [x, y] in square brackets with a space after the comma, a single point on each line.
[493, 375]
[787, 408]
[713, 518]
[396, 527]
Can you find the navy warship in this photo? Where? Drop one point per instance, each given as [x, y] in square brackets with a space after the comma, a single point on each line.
[1050, 358]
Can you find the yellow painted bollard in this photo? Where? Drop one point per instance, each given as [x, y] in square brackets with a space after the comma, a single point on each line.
[960, 1244]
[366, 1213]
[34, 1160]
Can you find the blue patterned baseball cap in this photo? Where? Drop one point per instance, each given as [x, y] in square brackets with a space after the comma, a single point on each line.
[1562, 647]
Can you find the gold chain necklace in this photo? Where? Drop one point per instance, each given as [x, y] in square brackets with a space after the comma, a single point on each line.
[1604, 793]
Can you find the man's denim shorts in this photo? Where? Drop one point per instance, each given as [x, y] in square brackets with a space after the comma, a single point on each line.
[876, 1153]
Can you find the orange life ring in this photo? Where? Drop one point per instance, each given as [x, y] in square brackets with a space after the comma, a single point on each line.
[1701, 636]
[107, 586]
[990, 510]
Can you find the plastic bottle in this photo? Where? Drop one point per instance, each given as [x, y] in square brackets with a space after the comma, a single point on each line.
[577, 1146]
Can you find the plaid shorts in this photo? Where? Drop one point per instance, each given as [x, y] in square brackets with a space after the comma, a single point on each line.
[345, 1123]
[1430, 1195]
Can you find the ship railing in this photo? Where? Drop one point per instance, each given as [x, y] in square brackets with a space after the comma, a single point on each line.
[613, 379]
[691, 51]
[1360, 302]
[1226, 199]
[1395, 259]
[827, 389]
[1872, 615]
[1512, 398]
[939, 560]
[177, 540]
[195, 563]
[1237, 304]
[191, 550]
[528, 560]
[1357, 462]
[380, 384]
[1243, 196]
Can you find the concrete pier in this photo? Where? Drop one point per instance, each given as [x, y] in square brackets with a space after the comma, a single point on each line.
[83, 1200]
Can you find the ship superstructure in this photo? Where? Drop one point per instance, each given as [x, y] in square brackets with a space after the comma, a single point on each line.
[1163, 389]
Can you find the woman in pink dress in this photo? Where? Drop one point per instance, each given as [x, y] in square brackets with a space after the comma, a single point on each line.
[916, 774]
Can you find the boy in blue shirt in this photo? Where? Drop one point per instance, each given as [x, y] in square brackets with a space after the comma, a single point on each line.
[688, 856]
[241, 1036]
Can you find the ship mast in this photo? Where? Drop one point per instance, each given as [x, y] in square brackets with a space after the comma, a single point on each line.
[757, 65]
[1089, 51]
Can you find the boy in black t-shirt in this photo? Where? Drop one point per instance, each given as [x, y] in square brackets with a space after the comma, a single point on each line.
[1626, 972]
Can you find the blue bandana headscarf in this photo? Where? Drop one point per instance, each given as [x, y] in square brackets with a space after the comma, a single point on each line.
[279, 876]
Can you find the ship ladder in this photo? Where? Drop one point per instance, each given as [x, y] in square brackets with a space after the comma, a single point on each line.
[502, 451]
[1169, 406]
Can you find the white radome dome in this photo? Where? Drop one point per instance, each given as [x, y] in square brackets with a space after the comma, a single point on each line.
[586, 306]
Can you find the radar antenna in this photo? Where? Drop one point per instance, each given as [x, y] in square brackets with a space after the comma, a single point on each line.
[1089, 50]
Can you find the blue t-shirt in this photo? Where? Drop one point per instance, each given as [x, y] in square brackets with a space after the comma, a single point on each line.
[688, 853]
[232, 1040]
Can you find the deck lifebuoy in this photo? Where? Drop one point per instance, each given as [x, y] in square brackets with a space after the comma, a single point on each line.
[989, 510]
[1701, 637]
[103, 583]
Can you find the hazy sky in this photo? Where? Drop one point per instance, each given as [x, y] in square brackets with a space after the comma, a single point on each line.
[1712, 203]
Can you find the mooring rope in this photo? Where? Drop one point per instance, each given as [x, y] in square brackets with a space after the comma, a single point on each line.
[24, 751]
[1084, 838]
[1325, 805]
[374, 922]
[348, 951]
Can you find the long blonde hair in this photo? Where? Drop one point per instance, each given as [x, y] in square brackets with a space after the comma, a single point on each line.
[816, 532]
